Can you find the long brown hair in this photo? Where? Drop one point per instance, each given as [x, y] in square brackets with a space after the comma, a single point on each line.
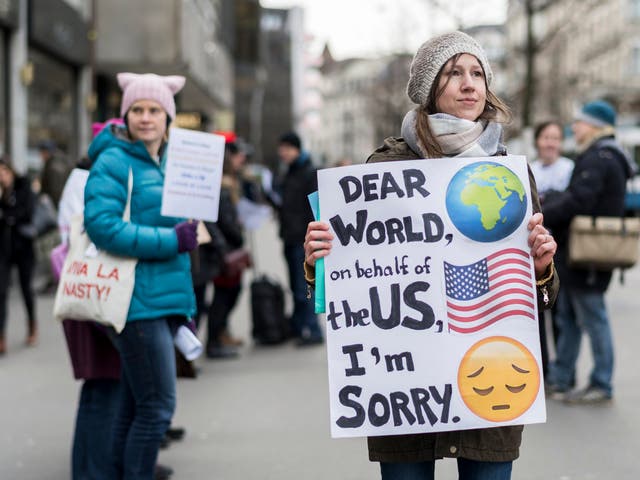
[494, 110]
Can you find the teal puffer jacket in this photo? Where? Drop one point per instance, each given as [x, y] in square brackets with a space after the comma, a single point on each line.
[163, 276]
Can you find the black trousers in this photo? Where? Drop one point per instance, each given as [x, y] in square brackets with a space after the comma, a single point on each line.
[201, 302]
[24, 259]
[224, 300]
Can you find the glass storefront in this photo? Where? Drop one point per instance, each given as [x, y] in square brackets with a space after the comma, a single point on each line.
[50, 103]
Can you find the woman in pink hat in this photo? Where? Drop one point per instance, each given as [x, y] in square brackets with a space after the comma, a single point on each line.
[163, 293]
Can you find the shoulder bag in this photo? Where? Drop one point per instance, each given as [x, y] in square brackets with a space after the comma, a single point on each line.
[94, 284]
[233, 264]
[603, 243]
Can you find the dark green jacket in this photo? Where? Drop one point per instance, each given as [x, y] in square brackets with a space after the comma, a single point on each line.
[498, 444]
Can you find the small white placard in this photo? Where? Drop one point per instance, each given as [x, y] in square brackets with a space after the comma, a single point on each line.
[193, 174]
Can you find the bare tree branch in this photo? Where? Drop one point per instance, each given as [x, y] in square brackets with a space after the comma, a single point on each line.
[566, 25]
[448, 10]
[533, 46]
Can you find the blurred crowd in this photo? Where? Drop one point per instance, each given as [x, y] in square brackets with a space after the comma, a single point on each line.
[198, 284]
[189, 274]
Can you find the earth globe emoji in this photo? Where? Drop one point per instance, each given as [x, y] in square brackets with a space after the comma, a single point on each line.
[486, 201]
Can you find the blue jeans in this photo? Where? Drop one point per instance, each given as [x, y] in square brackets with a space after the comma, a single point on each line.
[148, 396]
[467, 470]
[91, 455]
[304, 320]
[580, 311]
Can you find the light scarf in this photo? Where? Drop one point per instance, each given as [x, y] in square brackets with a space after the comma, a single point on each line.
[456, 137]
[604, 137]
[597, 135]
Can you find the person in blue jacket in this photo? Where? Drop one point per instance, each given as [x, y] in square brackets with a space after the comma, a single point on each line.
[163, 294]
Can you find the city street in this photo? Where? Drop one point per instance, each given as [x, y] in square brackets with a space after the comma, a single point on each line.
[265, 415]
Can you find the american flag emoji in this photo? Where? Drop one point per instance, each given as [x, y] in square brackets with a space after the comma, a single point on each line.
[483, 293]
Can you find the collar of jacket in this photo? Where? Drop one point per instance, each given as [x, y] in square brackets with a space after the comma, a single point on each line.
[609, 142]
[605, 132]
[300, 162]
[116, 136]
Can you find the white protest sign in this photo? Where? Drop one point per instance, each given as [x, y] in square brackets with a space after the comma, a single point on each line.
[193, 174]
[431, 309]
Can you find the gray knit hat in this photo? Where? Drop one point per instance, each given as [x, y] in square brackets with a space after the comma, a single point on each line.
[433, 55]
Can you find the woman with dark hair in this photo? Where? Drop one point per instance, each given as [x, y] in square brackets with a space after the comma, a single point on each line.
[17, 202]
[552, 173]
[457, 116]
[551, 170]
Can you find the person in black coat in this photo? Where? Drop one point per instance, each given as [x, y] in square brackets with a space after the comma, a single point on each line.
[55, 171]
[17, 202]
[597, 188]
[295, 213]
[226, 236]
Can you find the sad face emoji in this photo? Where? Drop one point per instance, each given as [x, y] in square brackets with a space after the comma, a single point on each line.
[498, 379]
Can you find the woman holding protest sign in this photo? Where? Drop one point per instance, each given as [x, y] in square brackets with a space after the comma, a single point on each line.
[457, 116]
[162, 296]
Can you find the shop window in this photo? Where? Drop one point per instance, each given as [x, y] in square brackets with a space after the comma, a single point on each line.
[50, 104]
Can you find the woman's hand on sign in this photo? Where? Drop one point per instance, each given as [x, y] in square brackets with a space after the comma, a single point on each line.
[542, 244]
[317, 242]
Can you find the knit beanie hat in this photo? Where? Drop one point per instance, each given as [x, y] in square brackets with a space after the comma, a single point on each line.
[149, 86]
[291, 138]
[598, 113]
[433, 55]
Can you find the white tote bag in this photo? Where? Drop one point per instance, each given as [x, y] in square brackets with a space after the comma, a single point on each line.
[95, 285]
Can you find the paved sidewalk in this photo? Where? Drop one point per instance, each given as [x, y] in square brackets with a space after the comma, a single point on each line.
[265, 415]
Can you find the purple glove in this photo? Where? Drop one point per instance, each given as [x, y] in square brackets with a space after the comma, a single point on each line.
[187, 237]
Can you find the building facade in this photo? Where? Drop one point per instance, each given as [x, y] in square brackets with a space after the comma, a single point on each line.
[269, 66]
[9, 23]
[364, 101]
[584, 50]
[167, 37]
[276, 59]
[59, 60]
[45, 78]
[250, 75]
